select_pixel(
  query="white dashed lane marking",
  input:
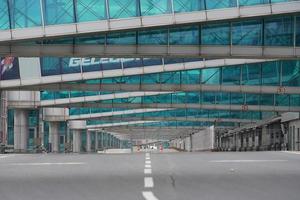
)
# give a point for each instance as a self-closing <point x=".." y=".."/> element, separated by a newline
<point x="44" y="164"/>
<point x="147" y="166"/>
<point x="149" y="196"/>
<point x="292" y="152"/>
<point x="147" y="171"/>
<point x="3" y="157"/>
<point x="148" y="181"/>
<point x="245" y="161"/>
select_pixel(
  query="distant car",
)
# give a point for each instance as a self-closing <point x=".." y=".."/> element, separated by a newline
<point x="153" y="147"/>
<point x="6" y="149"/>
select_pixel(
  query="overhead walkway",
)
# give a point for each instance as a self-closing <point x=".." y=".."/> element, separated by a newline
<point x="228" y="107"/>
<point x="94" y="115"/>
<point x="151" y="124"/>
<point x="34" y="19"/>
<point x="82" y="114"/>
<point x="263" y="89"/>
<point x="46" y="71"/>
<point x="260" y="38"/>
<point x="73" y="100"/>
<point x="175" y="119"/>
<point x="164" y="115"/>
<point x="160" y="133"/>
<point x="144" y="98"/>
<point x="198" y="100"/>
<point x="167" y="115"/>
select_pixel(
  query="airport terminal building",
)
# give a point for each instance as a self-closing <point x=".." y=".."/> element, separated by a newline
<point x="88" y="75"/>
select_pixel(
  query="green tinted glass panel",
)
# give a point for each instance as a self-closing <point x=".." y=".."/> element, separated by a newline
<point x="59" y="12"/>
<point x="215" y="34"/>
<point x="252" y="2"/>
<point x="211" y="76"/>
<point x="298" y="31"/>
<point x="4" y="16"/>
<point x="208" y="98"/>
<point x="25" y="13"/>
<point x="159" y="36"/>
<point x="125" y="38"/>
<point x="247" y="33"/>
<point x="237" y="98"/>
<point x="123" y="8"/>
<point x="190" y="77"/>
<point x="279" y="31"/>
<point x="251" y="74"/>
<point x="231" y="75"/>
<point x="282" y="100"/>
<point x="223" y="98"/>
<point x="291" y="73"/>
<point x="90" y="10"/>
<point x="295" y="100"/>
<point x="155" y="7"/>
<point x="215" y="4"/>
<point x="184" y="35"/>
<point x="271" y="73"/>
<point x="252" y="99"/>
<point x="188" y="5"/>
<point x="267" y="99"/>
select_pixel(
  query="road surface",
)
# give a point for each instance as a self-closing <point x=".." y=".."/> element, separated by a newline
<point x="151" y="176"/>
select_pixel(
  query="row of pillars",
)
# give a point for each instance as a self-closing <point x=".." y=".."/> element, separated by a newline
<point x="101" y="140"/>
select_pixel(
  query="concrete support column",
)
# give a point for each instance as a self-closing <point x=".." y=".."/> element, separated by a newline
<point x="110" y="140"/>
<point x="88" y="141"/>
<point x="21" y="130"/>
<point x="250" y="135"/>
<point x="76" y="141"/>
<point x="77" y="126"/>
<point x="96" y="141"/>
<point x="54" y="136"/>
<point x="256" y="140"/>
<point x="238" y="142"/>
<point x="245" y="142"/>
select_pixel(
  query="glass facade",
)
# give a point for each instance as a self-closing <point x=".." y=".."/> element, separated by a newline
<point x="27" y="13"/>
<point x="206" y="98"/>
<point x="267" y="31"/>
<point x="31" y="128"/>
<point x="90" y="10"/>
<point x="276" y="73"/>
<point x="58" y="12"/>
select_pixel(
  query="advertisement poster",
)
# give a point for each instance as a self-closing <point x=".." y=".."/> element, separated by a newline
<point x="9" y="68"/>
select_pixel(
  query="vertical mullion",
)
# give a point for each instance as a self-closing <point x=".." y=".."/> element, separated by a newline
<point x="9" y="14"/>
<point x="75" y="18"/>
<point x="107" y="9"/>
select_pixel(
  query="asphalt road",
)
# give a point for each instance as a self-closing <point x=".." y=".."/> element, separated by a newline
<point x="170" y="176"/>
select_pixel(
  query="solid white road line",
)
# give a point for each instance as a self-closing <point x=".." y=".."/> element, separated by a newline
<point x="147" y="166"/>
<point x="43" y="164"/>
<point x="245" y="161"/>
<point x="148" y="181"/>
<point x="147" y="162"/>
<point x="292" y="152"/>
<point x="147" y="171"/>
<point x="149" y="196"/>
<point x="4" y="156"/>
